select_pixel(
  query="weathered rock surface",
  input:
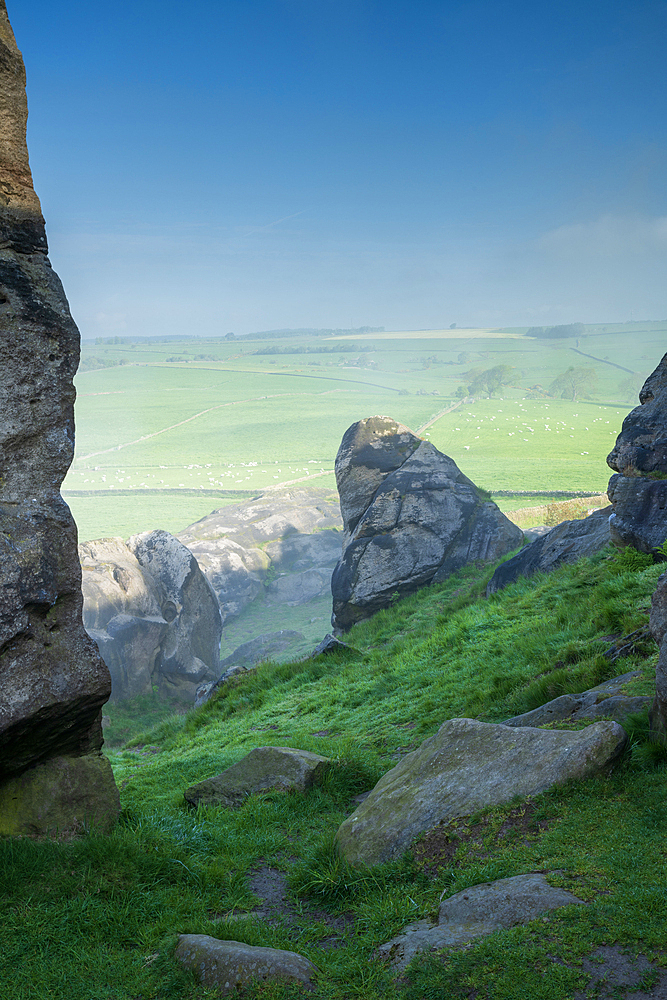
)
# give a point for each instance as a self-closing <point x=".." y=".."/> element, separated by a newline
<point x="152" y="613"/>
<point x="638" y="492"/>
<point x="466" y="766"/>
<point x="567" y="542"/>
<point x="601" y="702"/>
<point x="282" y="547"/>
<point x="224" y="965"/>
<point x="410" y="518"/>
<point x="62" y="795"/>
<point x="53" y="681"/>
<point x="282" y="768"/>
<point x="476" y="912"/>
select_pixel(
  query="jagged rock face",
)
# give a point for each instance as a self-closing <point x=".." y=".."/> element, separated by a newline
<point x="52" y="679"/>
<point x="410" y="516"/>
<point x="152" y="613"/>
<point x="281" y="547"/>
<point x="638" y="492"/>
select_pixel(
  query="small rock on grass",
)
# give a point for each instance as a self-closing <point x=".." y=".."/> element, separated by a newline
<point x="223" y="965"/>
<point x="601" y="702"/>
<point x="467" y="766"/>
<point x="476" y="912"/>
<point x="264" y="768"/>
<point x="330" y="644"/>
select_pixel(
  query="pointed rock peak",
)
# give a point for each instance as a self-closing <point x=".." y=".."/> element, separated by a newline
<point x="21" y="221"/>
<point x="370" y="450"/>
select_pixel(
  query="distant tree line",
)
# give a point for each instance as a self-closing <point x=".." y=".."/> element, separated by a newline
<point x="312" y="349"/>
<point x="88" y="363"/>
<point x="556" y="332"/>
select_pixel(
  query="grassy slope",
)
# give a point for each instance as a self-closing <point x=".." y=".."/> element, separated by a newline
<point x="97" y="919"/>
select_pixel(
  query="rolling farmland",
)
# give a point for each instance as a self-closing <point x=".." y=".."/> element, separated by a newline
<point x="177" y="429"/>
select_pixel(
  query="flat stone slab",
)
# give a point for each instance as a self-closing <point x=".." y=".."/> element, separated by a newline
<point x="224" y="965"/>
<point x="264" y="768"/>
<point x="476" y="912"/>
<point x="467" y="766"/>
<point x="602" y="701"/>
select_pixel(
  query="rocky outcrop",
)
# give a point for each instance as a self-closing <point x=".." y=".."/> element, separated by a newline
<point x="605" y="701"/>
<point x="410" y="518"/>
<point x="152" y="614"/>
<point x="282" y="768"/>
<point x="638" y="492"/>
<point x="467" y="766"/>
<point x="282" y="548"/>
<point x="54" y="682"/>
<point x="565" y="543"/>
<point x="225" y="965"/>
<point x="475" y="913"/>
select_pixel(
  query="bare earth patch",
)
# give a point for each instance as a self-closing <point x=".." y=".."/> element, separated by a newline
<point x="618" y="975"/>
<point x="270" y="885"/>
<point x="438" y="848"/>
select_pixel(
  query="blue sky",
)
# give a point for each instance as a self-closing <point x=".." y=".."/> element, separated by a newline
<point x="253" y="164"/>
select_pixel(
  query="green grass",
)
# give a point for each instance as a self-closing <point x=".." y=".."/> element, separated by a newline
<point x="97" y="918"/>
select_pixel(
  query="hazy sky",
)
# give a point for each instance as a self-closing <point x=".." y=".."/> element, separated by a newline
<point x="243" y="165"/>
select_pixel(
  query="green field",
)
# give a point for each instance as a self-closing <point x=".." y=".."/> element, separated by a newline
<point x="167" y="432"/>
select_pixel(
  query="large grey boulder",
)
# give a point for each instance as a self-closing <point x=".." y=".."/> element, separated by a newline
<point x="477" y="912"/>
<point x="54" y="682"/>
<point x="153" y="614"/>
<point x="638" y="492"/>
<point x="605" y="701"/>
<point x="280" y="547"/>
<point x="282" y="768"/>
<point x="566" y="543"/>
<point x="224" y="965"/>
<point x="467" y="766"/>
<point x="410" y="518"/>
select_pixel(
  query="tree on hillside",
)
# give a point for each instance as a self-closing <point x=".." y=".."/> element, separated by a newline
<point x="574" y="384"/>
<point x="556" y="332"/>
<point x="628" y="389"/>
<point x="490" y="380"/>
